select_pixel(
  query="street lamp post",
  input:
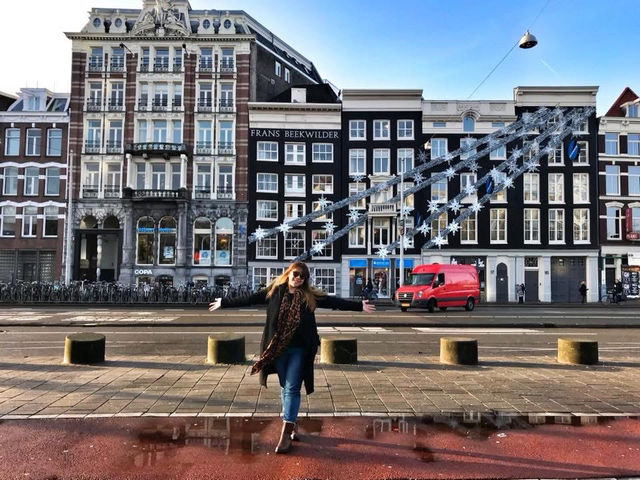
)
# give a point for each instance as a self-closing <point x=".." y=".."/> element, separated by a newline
<point x="402" y="222"/>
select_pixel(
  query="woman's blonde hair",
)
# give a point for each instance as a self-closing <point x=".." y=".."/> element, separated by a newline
<point x="310" y="292"/>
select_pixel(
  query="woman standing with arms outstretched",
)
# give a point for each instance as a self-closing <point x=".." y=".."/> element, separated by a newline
<point x="290" y="339"/>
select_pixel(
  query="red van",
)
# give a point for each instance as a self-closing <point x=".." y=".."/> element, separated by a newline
<point x="440" y="286"/>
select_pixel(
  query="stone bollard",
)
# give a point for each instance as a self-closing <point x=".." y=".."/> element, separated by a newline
<point x="458" y="351"/>
<point x="225" y="348"/>
<point x="84" y="348"/>
<point x="339" y="350"/>
<point x="577" y="352"/>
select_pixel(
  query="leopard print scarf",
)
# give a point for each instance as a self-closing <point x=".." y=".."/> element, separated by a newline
<point x="288" y="321"/>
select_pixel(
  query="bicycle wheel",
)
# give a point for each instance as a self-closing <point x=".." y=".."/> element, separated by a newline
<point x="605" y="299"/>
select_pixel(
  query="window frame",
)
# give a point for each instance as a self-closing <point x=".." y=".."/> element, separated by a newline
<point x="531" y="223"/>
<point x="357" y="129"/>
<point x="584" y="228"/>
<point x="299" y="151"/>
<point x="381" y="123"/>
<point x="606" y="180"/>
<point x="298" y="192"/>
<point x="560" y="232"/>
<point x="316" y="156"/>
<point x="50" y="131"/>
<point x="404" y="129"/>
<point x="272" y="175"/>
<point x="267" y="153"/>
<point x="388" y="161"/>
<point x="289" y="252"/>
<point x="557" y="192"/>
<point x="501" y="236"/>
<point x="265" y="218"/>
<point x="577" y="200"/>
<point x="352" y="153"/>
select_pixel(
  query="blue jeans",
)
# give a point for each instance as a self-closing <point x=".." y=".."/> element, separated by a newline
<point x="289" y="366"/>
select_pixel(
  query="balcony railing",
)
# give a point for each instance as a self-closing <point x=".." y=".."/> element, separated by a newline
<point x="203" y="148"/>
<point x="91" y="146"/>
<point x="95" y="63"/>
<point x="176" y="105"/>
<point x="117" y="64"/>
<point x="177" y="67"/>
<point x="226" y="105"/>
<point x="382" y="208"/>
<point x="225" y="148"/>
<point x="116" y="106"/>
<point x="144" y="67"/>
<point x="224" y="193"/>
<point x="90" y="191"/>
<point x="94" y="104"/>
<point x="114" y="147"/>
<point x="205" y="105"/>
<point x="227" y="65"/>
<point x="180" y="194"/>
<point x="203" y="191"/>
<point x="159" y="105"/>
<point x="161" y="66"/>
<point x="143" y="104"/>
<point x="156" y="147"/>
<point x="206" y="65"/>
<point x="111" y="191"/>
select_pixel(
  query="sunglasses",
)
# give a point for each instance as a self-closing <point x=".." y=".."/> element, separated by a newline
<point x="297" y="274"/>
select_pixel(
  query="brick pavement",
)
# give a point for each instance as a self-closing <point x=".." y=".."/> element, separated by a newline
<point x="40" y="387"/>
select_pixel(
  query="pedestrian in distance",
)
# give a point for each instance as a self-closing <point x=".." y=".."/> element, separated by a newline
<point x="368" y="289"/>
<point x="618" y="291"/>
<point x="583" y="291"/>
<point x="520" y="292"/>
<point x="290" y="338"/>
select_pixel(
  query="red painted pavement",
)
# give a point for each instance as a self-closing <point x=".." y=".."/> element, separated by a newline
<point x="331" y="448"/>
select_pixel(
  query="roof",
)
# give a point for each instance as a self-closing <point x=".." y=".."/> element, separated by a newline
<point x="626" y="96"/>
<point x="322" y="93"/>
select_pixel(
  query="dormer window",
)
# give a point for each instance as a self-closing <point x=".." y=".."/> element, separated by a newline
<point x="632" y="110"/>
<point x="468" y="124"/>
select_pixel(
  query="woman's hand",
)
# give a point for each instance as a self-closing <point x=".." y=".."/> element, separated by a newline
<point x="368" y="307"/>
<point x="216" y="304"/>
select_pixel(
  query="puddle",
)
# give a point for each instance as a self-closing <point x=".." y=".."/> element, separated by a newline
<point x="449" y="446"/>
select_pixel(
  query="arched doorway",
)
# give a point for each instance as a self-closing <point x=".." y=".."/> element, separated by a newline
<point x="98" y="251"/>
<point x="502" y="283"/>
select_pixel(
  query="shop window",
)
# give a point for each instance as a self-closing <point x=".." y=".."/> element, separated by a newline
<point x="202" y="241"/>
<point x="167" y="241"/>
<point x="145" y="233"/>
<point x="224" y="232"/>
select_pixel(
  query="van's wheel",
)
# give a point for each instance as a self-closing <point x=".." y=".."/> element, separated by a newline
<point x="469" y="305"/>
<point x="443" y="309"/>
<point x="431" y="306"/>
<point x="403" y="309"/>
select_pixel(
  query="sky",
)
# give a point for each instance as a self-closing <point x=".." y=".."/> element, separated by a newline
<point x="445" y="48"/>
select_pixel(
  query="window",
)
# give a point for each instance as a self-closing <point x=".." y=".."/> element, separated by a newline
<point x="468" y="124"/>
<point x="556" y="188"/>
<point x="144" y="59"/>
<point x="467" y="179"/>
<point x="405" y="129"/>
<point x="116" y="100"/>
<point x="555" y="157"/>
<point x="438" y="147"/>
<point x="357" y="161"/>
<point x="381" y="196"/>
<point x="10" y="186"/>
<point x="315" y="207"/>
<point x="469" y="229"/>
<point x="357" y="237"/>
<point x="580" y="188"/>
<point x="140" y="176"/>
<point x="287" y="75"/>
<point x="145" y="234"/>
<point x="268" y="182"/>
<point x="357" y="130"/>
<point x="175" y="176"/>
<point x="583" y="156"/>
<point x="405" y="160"/>
<point x="319" y="236"/>
<point x="355" y="189"/>
<point x="267" y="151"/>
<point x="91" y="180"/>
<point x="381" y="231"/>
<point x="112" y="180"/>
<point x="500" y="196"/>
<point x="159" y="130"/>
<point x="499" y="153"/>
<point x="278" y="69"/>
<point x="114" y="141"/>
<point x="531" y="225"/>
<point x="226" y="95"/>
<point x="439" y="190"/>
<point x="158" y="176"/>
<point x="224" y="188"/>
<point x="581" y="225"/>
<point x="635" y="219"/>
<point x="634" y="180"/>
<point x="498" y="225"/>
<point x="202" y="241"/>
<point x="263" y="275"/>
<point x="556" y="225"/>
<point x="381" y="130"/>
<point x="294" y="154"/>
<point x="52" y="181"/>
<point x="267" y="210"/>
<point x="438" y="225"/>
<point x="322" y="153"/>
<point x="466" y="144"/>
<point x="322" y="184"/>
<point x="50" y="221"/>
<point x="293" y="243"/>
<point x="12" y="142"/>
<point x="177" y="59"/>
<point x="224" y="238"/>
<point x="31" y="181"/>
<point x="176" y="128"/>
<point x="8" y="221"/>
<point x="614" y="223"/>
<point x="225" y="135"/>
<point x="205" y="99"/>
<point x="612" y="180"/>
<point x="204" y="136"/>
<point x="226" y="56"/>
<point x="54" y="142"/>
<point x="633" y="144"/>
<point x="325" y="278"/>
<point x="611" y="143"/>
<point x="33" y="141"/>
<point x="409" y="224"/>
<point x="94" y="136"/>
<point x="632" y="110"/>
<point x="381" y="161"/>
<point x="162" y="60"/>
<point x="294" y="185"/>
<point x="142" y="131"/>
<point x="267" y="247"/>
<point x="202" y="184"/>
<point x="293" y="210"/>
<point x="29" y="221"/>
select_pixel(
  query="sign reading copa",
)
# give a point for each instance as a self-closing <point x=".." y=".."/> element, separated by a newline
<point x="143" y="271"/>
<point x="297" y="134"/>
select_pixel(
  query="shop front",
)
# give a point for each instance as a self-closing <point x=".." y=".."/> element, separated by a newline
<point x="357" y="276"/>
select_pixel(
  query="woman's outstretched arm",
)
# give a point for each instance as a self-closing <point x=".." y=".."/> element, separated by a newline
<point x="255" y="299"/>
<point x="337" y="303"/>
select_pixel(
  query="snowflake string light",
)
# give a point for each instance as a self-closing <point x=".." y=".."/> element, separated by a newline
<point x="512" y="166"/>
<point x="516" y="153"/>
<point x="284" y="227"/>
<point x="353" y="215"/>
<point x="422" y="156"/>
<point x="406" y="241"/>
<point x="318" y="247"/>
<point x="454" y="227"/>
<point x="470" y="189"/>
<point x="473" y="166"/>
<point x="450" y="172"/>
<point x="476" y="207"/>
<point x="406" y="210"/>
<point x="495" y="174"/>
<point x="454" y="206"/>
<point x="323" y="202"/>
<point x="508" y="182"/>
<point x="531" y="166"/>
<point x="424" y="228"/>
<point x="382" y="252"/>
<point x="329" y="227"/>
<point x="260" y="233"/>
<point x="439" y="241"/>
<point x="357" y="178"/>
<point x="417" y="177"/>
<point x="433" y="206"/>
